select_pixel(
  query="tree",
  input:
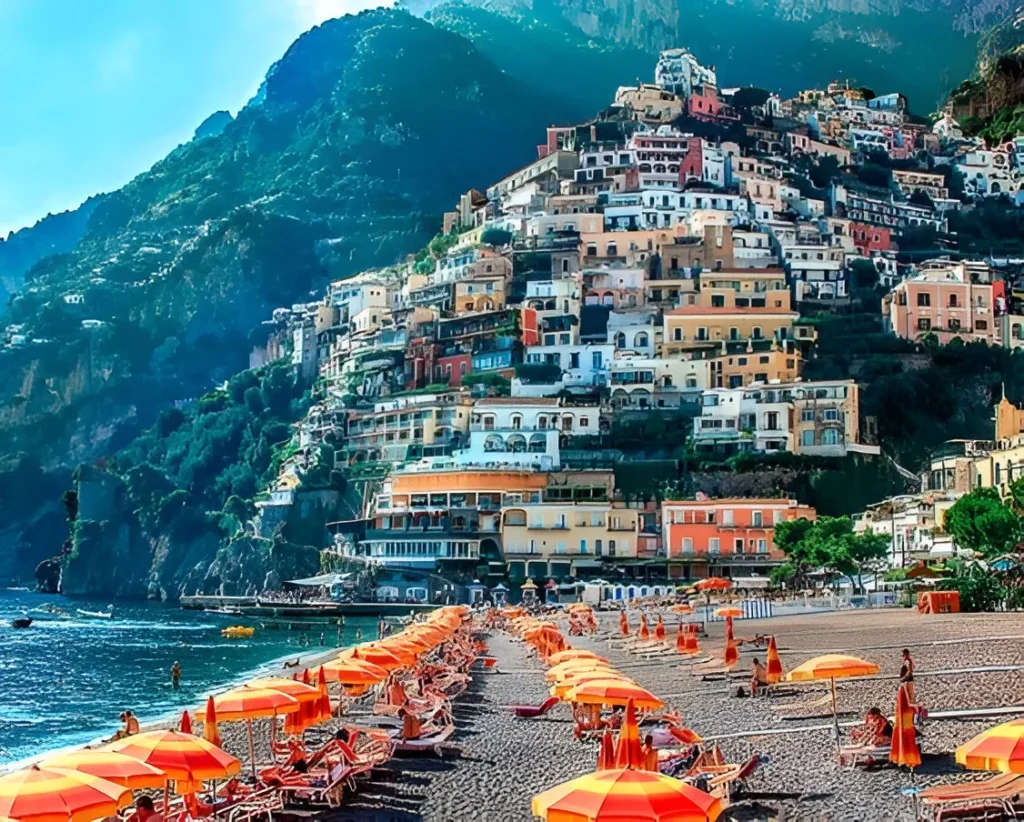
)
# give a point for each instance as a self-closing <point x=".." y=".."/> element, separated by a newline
<point x="865" y="552"/>
<point x="865" y="273"/>
<point x="921" y="198"/>
<point x="496" y="237"/>
<point x="980" y="522"/>
<point x="830" y="544"/>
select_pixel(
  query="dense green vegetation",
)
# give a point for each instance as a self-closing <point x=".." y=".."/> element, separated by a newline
<point x="827" y="544"/>
<point x="343" y="161"/>
<point x="164" y="508"/>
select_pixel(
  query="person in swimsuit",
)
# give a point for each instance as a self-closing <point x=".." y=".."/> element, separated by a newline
<point x="758" y="678"/>
<point x="176" y="676"/>
<point x="907" y="675"/>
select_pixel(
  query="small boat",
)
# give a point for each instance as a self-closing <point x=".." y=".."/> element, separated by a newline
<point x="95" y="614"/>
<point x="21" y="622"/>
<point x="238" y="632"/>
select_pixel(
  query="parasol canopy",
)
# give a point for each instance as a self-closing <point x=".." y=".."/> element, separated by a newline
<point x="38" y="794"/>
<point x="613" y="692"/>
<point x="114" y="767"/>
<point x="1000" y="748"/>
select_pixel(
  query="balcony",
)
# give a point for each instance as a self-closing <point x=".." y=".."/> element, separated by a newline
<point x="627" y="528"/>
<point x="533" y="526"/>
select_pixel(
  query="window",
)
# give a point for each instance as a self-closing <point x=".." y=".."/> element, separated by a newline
<point x="737" y="546"/>
<point x="952" y="301"/>
<point x="830" y="437"/>
<point x="831" y="415"/>
<point x="776" y="517"/>
<point x="702" y="333"/>
<point x="687" y="545"/>
<point x="807" y="415"/>
<point x="924" y="324"/>
<point x="924" y="300"/>
<point x="516" y="422"/>
<point x="583" y="546"/>
<point x="981" y="325"/>
<point x="727" y="516"/>
<point x="718" y="301"/>
<point x="757" y="519"/>
<point x="954" y="324"/>
<point x="611" y="547"/>
<point x="462" y="368"/>
<point x="714" y="546"/>
<point x="807" y="438"/>
<point x="762" y="546"/>
<point x="574" y="359"/>
<point x="756" y="333"/>
<point x="598" y="547"/>
<point x="734" y="333"/>
<point x="677" y="334"/>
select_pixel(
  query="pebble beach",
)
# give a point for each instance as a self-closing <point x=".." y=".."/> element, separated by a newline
<point x="497" y="762"/>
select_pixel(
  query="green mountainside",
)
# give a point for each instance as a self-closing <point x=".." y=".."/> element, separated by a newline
<point x="921" y="49"/>
<point x="362" y="134"/>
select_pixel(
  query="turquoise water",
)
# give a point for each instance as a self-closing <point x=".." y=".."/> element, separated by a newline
<point x="65" y="680"/>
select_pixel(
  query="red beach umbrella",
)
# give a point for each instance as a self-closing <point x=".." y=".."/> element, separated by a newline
<point x="691" y="641"/>
<point x="680" y="639"/>
<point x="210" y="732"/>
<point x="645" y="632"/>
<point x="628" y="750"/>
<point x="606" y="754"/>
<point x="904" y="749"/>
<point x="732" y="653"/>
<point x="659" y="629"/>
<point x="186" y="723"/>
<point x="773" y="665"/>
<point x="623" y="623"/>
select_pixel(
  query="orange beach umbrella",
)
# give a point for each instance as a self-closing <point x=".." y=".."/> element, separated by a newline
<point x="39" y="794"/>
<point x="904" y="750"/>
<point x="729" y="611"/>
<point x="626" y="794"/>
<point x="1000" y="748"/>
<point x="606" y="753"/>
<point x="210" y="731"/>
<point x="114" y="767"/>
<point x="381" y="657"/>
<point x="188" y="760"/>
<point x="713" y="584"/>
<point x="682" y="608"/>
<point x="307" y="696"/>
<point x="352" y="672"/>
<point x="772" y="664"/>
<point x="680" y="639"/>
<point x="613" y="692"/>
<point x="691" y="641"/>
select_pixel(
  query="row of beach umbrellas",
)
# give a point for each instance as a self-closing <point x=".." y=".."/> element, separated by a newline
<point x="90" y="784"/>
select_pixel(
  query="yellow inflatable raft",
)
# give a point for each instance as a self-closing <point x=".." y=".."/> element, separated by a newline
<point x="238" y="632"/>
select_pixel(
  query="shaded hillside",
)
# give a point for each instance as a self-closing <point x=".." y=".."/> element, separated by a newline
<point x="362" y="133"/>
<point x="920" y="49"/>
<point x="54" y="234"/>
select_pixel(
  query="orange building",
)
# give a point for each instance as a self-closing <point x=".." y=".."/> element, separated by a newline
<point x="732" y="538"/>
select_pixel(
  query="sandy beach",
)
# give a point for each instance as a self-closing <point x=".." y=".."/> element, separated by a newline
<point x="499" y="761"/>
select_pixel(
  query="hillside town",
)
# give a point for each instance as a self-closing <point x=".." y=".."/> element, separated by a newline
<point x="643" y="265"/>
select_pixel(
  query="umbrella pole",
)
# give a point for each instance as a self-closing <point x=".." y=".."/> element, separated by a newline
<point x="252" y="748"/>
<point x="835" y="711"/>
<point x="167" y="797"/>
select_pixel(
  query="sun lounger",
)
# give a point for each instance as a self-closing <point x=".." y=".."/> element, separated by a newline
<point x="990" y="799"/>
<point x="854" y="755"/>
<point x="432" y="741"/>
<point x="727" y="782"/>
<point x="258" y="805"/>
<point x="323" y="786"/>
<point x="531" y="711"/>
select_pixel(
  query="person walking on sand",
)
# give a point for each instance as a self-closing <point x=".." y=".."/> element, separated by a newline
<point x="176" y="676"/>
<point x="907" y="675"/>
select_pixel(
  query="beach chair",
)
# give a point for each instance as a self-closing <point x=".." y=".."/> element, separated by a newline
<point x="989" y="799"/>
<point x="863" y="754"/>
<point x="321" y="787"/>
<point x="532" y="711"/>
<point x="728" y="782"/>
<point x="432" y="741"/>
<point x="257" y="805"/>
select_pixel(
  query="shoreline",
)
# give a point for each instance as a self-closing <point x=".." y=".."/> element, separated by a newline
<point x="272" y="666"/>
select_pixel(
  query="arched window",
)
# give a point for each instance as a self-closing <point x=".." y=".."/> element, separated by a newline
<point x="494" y="443"/>
<point x="640" y="340"/>
<point x="620" y="340"/>
<point x="488" y="422"/>
<point x="516" y="422"/>
<point x="516" y="443"/>
<point x="538" y="443"/>
<point x="734" y="333"/>
<point x="952" y="301"/>
<point x="567" y="422"/>
<point x="756" y="333"/>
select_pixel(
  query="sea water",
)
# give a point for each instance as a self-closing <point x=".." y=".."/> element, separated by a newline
<point x="65" y="680"/>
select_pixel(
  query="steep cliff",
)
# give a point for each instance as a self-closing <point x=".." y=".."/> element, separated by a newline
<point x="364" y="131"/>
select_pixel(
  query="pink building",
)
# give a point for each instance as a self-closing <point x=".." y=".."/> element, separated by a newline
<point x="704" y="104"/>
<point x="868" y="238"/>
<point x="942" y="301"/>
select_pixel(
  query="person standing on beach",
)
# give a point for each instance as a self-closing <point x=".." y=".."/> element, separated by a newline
<point x="359" y="635"/>
<point x="381" y="628"/>
<point x="175" y="676"/>
<point x="907" y="675"/>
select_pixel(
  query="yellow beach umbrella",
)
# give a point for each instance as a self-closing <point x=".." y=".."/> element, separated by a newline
<point x="613" y="692"/>
<point x="562" y="689"/>
<point x="625" y="794"/>
<point x="560" y="672"/>
<point x="247" y="703"/>
<point x="185" y="759"/>
<point x="114" y="767"/>
<point x="354" y="672"/>
<point x="39" y="794"/>
<point x="1000" y="748"/>
<point x="729" y="611"/>
<point x="573" y="653"/>
<point x="832" y="667"/>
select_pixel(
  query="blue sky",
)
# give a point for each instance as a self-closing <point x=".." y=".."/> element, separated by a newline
<point x="96" y="91"/>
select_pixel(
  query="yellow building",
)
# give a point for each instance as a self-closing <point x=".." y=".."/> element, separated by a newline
<point x="480" y="294"/>
<point x="738" y="369"/>
<point x="699" y="327"/>
<point x="558" y="540"/>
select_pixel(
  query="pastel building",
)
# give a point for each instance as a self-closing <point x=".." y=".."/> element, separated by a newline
<point x="732" y="538"/>
<point x="944" y="301"/>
